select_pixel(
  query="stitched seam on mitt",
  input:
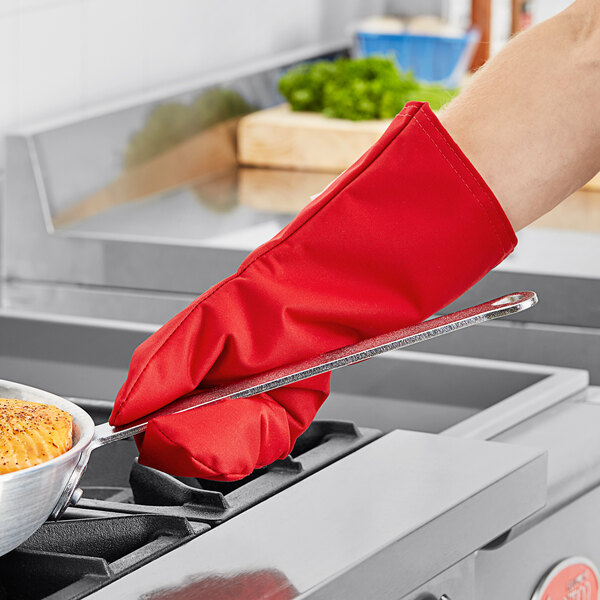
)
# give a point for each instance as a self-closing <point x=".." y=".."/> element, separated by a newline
<point x="477" y="199"/>
<point x="491" y="203"/>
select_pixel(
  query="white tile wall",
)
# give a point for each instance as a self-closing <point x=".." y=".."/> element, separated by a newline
<point x="8" y="69"/>
<point x="112" y="49"/>
<point x="8" y="7"/>
<point x="49" y="59"/>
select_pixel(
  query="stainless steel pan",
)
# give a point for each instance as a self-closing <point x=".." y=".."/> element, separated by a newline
<point x="30" y="496"/>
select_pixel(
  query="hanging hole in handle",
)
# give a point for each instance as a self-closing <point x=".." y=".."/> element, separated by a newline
<point x="510" y="299"/>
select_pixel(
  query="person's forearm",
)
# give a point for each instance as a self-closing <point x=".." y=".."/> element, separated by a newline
<point x="529" y="120"/>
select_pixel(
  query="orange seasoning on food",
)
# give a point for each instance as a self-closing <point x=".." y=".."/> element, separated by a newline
<point x="32" y="433"/>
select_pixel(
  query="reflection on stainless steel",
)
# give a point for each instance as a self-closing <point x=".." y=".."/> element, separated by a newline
<point x="242" y="586"/>
<point x="568" y="525"/>
<point x="198" y="212"/>
<point x="204" y="158"/>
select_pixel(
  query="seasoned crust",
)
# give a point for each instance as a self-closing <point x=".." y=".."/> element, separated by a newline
<point x="31" y="433"/>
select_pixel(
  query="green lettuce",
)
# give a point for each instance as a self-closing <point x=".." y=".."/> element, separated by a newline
<point x="357" y="89"/>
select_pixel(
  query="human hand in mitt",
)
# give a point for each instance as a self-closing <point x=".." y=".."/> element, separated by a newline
<point x="399" y="235"/>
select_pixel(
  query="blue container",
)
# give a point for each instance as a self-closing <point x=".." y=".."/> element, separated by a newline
<point x="430" y="58"/>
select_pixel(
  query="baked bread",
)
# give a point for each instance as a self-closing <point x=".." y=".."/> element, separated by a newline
<point x="32" y="433"/>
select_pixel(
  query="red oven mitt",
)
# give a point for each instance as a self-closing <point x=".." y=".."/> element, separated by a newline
<point x="402" y="233"/>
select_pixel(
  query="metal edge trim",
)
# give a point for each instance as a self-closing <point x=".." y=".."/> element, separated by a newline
<point x="522" y="405"/>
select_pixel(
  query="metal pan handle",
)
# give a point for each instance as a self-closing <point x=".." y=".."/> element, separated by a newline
<point x="335" y="359"/>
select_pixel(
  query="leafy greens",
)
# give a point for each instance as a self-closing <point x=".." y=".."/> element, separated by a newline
<point x="357" y="89"/>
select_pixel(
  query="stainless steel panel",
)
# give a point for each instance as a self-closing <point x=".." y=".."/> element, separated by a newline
<point x="408" y="494"/>
<point x="69" y="356"/>
<point x="2" y="239"/>
<point x="33" y="251"/>
<point x="521" y="406"/>
<point x="564" y="300"/>
<point x="532" y="343"/>
<point x="465" y="398"/>
<point x="158" y="241"/>
<point x="514" y="569"/>
<point x="569" y="432"/>
<point x="119" y="304"/>
<point x="456" y="583"/>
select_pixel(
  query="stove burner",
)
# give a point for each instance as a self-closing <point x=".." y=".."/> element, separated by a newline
<point x="120" y="525"/>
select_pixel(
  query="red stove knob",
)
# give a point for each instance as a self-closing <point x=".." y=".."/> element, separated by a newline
<point x="575" y="577"/>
